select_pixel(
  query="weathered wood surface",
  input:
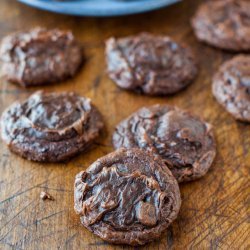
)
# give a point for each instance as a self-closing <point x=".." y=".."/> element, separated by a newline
<point x="215" y="209"/>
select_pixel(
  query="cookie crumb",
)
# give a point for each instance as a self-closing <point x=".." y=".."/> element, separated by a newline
<point x="46" y="196"/>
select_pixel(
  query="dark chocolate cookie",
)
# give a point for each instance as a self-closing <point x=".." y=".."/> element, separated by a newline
<point x="50" y="127"/>
<point x="231" y="87"/>
<point x="154" y="65"/>
<point x="224" y="24"/>
<point x="40" y="56"/>
<point x="177" y="136"/>
<point x="127" y="197"/>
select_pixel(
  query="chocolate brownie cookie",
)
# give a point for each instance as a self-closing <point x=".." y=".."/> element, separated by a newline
<point x="154" y="65"/>
<point x="50" y="127"/>
<point x="40" y="56"/>
<point x="177" y="136"/>
<point x="224" y="24"/>
<point x="231" y="87"/>
<point x="127" y="197"/>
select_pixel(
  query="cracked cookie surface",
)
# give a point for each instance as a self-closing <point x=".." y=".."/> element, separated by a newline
<point x="40" y="56"/>
<point x="154" y="65"/>
<point x="50" y="127"/>
<point x="180" y="138"/>
<point x="231" y="87"/>
<point x="127" y="197"/>
<point x="224" y="24"/>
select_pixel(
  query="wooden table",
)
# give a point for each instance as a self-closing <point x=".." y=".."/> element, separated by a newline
<point x="215" y="209"/>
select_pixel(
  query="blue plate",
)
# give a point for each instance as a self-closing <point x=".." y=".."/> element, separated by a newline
<point x="99" y="8"/>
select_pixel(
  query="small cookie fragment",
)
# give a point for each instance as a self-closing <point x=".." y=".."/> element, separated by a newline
<point x="224" y="24"/>
<point x="50" y="127"/>
<point x="180" y="138"/>
<point x="231" y="87"/>
<point x="127" y="197"/>
<point x="40" y="56"/>
<point x="46" y="196"/>
<point x="153" y="65"/>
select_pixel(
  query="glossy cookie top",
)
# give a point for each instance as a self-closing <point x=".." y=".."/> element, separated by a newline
<point x="50" y="126"/>
<point x="40" y="56"/>
<point x="177" y="136"/>
<point x="231" y="87"/>
<point x="150" y="64"/>
<point x="127" y="197"/>
<point x="224" y="24"/>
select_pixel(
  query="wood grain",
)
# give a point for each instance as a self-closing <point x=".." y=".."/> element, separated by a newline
<point x="215" y="209"/>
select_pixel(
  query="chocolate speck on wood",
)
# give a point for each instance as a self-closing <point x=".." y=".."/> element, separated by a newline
<point x="46" y="196"/>
<point x="214" y="210"/>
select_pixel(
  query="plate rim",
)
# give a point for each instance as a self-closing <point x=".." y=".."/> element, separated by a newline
<point x="74" y="8"/>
